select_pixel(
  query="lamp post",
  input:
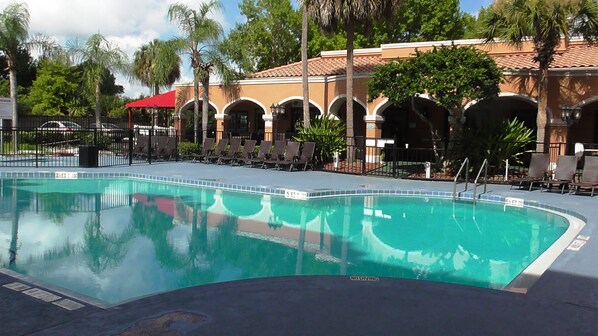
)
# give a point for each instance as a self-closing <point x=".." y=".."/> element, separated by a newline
<point x="276" y="110"/>
<point x="570" y="115"/>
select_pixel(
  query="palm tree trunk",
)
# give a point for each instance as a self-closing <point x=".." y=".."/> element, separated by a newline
<point x="12" y="73"/>
<point x="304" y="67"/>
<point x="205" y="105"/>
<point x="542" y="106"/>
<point x="195" y="105"/>
<point x="98" y="104"/>
<point x="350" y="132"/>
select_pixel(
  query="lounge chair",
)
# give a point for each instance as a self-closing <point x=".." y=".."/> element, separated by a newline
<point x="246" y="154"/>
<point x="206" y="149"/>
<point x="566" y="166"/>
<point x="589" y="177"/>
<point x="291" y="154"/>
<point x="218" y="152"/>
<point x="262" y="154"/>
<point x="233" y="151"/>
<point x="166" y="149"/>
<point x="277" y="153"/>
<point x="307" y="156"/>
<point x="538" y="169"/>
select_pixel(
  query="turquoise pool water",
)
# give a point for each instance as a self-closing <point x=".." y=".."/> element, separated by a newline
<point x="115" y="240"/>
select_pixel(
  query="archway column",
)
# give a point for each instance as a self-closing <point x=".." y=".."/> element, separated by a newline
<point x="220" y="124"/>
<point x="373" y="126"/>
<point x="373" y="130"/>
<point x="268" y="129"/>
<point x="179" y="126"/>
<point x="556" y="133"/>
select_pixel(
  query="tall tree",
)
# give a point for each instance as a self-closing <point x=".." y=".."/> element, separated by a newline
<point x="268" y="37"/>
<point x="349" y="14"/>
<point x="157" y="65"/>
<point x="14" y="33"/>
<point x="54" y="90"/>
<point x="97" y="55"/>
<point x="547" y="24"/>
<point x="449" y="75"/>
<point x="200" y="41"/>
<point x="304" y="65"/>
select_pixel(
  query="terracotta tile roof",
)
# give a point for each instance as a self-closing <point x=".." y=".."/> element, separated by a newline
<point x="576" y="56"/>
<point x="328" y="66"/>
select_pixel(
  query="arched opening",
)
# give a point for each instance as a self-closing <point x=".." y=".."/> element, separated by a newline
<point x="245" y="119"/>
<point x="489" y="113"/>
<point x="186" y="112"/>
<point x="290" y="121"/>
<point x="402" y="123"/>
<point x="585" y="129"/>
<point x="339" y="109"/>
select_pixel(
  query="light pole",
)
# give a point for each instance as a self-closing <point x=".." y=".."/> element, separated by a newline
<point x="570" y="115"/>
<point x="276" y="110"/>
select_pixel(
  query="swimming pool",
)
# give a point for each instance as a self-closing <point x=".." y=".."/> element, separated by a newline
<point x="117" y="239"/>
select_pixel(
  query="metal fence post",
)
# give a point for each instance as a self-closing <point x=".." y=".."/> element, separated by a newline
<point x="394" y="158"/>
<point x="36" y="148"/>
<point x="131" y="142"/>
<point x="364" y="156"/>
<point x="149" y="146"/>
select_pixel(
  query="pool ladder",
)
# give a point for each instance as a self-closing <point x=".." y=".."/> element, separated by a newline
<point x="465" y="167"/>
<point x="484" y="168"/>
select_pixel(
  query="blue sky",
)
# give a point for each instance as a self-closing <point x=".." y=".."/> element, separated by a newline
<point x="131" y="23"/>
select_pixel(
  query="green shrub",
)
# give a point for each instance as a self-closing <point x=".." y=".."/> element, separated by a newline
<point x="187" y="149"/>
<point x="329" y="135"/>
<point x="509" y="140"/>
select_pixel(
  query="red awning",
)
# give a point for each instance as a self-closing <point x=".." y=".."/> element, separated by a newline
<point x="163" y="100"/>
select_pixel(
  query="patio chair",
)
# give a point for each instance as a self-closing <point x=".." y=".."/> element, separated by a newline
<point x="291" y="154"/>
<point x="206" y="149"/>
<point x="277" y="153"/>
<point x="166" y="149"/>
<point x="246" y="154"/>
<point x="218" y="152"/>
<point x="262" y="154"/>
<point x="566" y="166"/>
<point x="307" y="156"/>
<point x="140" y="149"/>
<point x="538" y="168"/>
<point x="589" y="177"/>
<point x="233" y="151"/>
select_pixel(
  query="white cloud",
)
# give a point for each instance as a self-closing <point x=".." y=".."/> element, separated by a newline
<point x="129" y="23"/>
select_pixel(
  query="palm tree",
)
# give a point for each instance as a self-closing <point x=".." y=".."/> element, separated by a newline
<point x="97" y="55"/>
<point x="157" y="65"/>
<point x="349" y="14"/>
<point x="544" y="23"/>
<point x="14" y="32"/>
<point x="14" y="35"/>
<point x="202" y="34"/>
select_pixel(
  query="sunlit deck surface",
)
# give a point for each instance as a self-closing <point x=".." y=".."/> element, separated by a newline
<point x="564" y="301"/>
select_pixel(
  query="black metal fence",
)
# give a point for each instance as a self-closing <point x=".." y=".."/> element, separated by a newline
<point x="383" y="157"/>
<point x="35" y="147"/>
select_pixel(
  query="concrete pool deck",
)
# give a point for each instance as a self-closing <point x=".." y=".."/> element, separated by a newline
<point x="563" y="301"/>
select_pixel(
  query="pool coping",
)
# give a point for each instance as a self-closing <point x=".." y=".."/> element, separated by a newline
<point x="520" y="284"/>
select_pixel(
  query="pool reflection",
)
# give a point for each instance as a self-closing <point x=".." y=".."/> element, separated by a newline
<point x="137" y="238"/>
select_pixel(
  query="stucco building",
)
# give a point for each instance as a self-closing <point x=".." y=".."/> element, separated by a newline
<point x="572" y="82"/>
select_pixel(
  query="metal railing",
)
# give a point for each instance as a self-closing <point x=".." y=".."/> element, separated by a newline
<point x="465" y="165"/>
<point x="82" y="147"/>
<point x="484" y="168"/>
